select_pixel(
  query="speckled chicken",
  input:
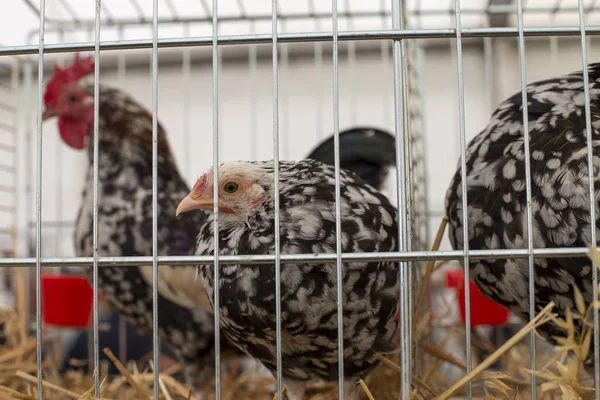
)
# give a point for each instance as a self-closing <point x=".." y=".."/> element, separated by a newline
<point x="496" y="195"/>
<point x="308" y="290"/>
<point x="125" y="215"/>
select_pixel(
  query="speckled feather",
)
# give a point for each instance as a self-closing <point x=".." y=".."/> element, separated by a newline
<point x="496" y="195"/>
<point x="309" y="309"/>
<point x="125" y="229"/>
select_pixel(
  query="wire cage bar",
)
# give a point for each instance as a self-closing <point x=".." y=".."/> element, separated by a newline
<point x="10" y="182"/>
<point x="242" y="13"/>
<point x="9" y="148"/>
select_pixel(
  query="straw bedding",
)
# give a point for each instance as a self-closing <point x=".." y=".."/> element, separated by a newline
<point x="559" y="376"/>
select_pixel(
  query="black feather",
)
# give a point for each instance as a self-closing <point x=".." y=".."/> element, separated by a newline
<point x="367" y="152"/>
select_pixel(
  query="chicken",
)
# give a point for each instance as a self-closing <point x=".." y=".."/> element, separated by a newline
<point x="368" y="152"/>
<point x="308" y="289"/>
<point x="496" y="196"/>
<point x="125" y="215"/>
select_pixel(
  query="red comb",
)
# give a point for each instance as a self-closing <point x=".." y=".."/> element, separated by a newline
<point x="200" y="183"/>
<point x="63" y="76"/>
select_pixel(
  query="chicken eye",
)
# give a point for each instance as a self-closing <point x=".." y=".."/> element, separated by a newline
<point x="231" y="187"/>
<point x="72" y="98"/>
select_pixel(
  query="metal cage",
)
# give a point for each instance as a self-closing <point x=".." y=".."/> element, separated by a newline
<point x="396" y="34"/>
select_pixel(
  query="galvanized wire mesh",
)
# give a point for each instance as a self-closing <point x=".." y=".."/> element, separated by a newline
<point x="393" y="23"/>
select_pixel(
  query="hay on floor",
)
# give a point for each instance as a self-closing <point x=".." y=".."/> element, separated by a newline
<point x="559" y="376"/>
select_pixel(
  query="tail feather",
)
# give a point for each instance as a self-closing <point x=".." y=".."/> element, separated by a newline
<point x="367" y="152"/>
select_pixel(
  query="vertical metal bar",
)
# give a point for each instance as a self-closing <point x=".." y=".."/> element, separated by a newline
<point x="424" y="180"/>
<point x="187" y="88"/>
<point x="90" y="347"/>
<point x="408" y="165"/>
<point x="351" y="64"/>
<point x="401" y="176"/>
<point x="38" y="202"/>
<point x="15" y="86"/>
<point x="27" y="193"/>
<point x="285" y="100"/>
<point x="352" y="73"/>
<point x="385" y="62"/>
<point x="318" y="50"/>
<point x="252" y="62"/>
<point x="122" y="322"/>
<point x="59" y="175"/>
<point x="122" y="329"/>
<point x="453" y="58"/>
<point x="488" y="59"/>
<point x="121" y="60"/>
<point x="155" y="339"/>
<point x="14" y="75"/>
<point x="554" y="54"/>
<point x="463" y="170"/>
<point x="276" y="190"/>
<point x="95" y="210"/>
<point x="220" y="60"/>
<point x="528" y="190"/>
<point x="338" y="221"/>
<point x="590" y="153"/>
<point x="215" y="71"/>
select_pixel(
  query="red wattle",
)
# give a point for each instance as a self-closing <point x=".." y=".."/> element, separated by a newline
<point x="73" y="132"/>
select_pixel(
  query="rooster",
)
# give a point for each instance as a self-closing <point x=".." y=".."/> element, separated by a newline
<point x="125" y="215"/>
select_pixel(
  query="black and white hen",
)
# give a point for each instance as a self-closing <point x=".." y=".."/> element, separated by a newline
<point x="125" y="216"/>
<point x="308" y="290"/>
<point x="496" y="195"/>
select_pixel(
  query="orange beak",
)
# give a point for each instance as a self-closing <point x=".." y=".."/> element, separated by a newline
<point x="194" y="201"/>
<point x="49" y="113"/>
